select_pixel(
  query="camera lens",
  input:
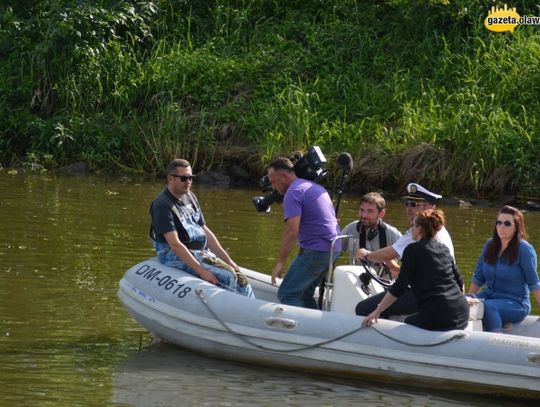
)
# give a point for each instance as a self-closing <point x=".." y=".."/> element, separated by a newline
<point x="265" y="183"/>
<point x="262" y="203"/>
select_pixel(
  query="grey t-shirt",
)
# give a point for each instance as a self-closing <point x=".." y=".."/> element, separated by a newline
<point x="183" y="215"/>
<point x="352" y="244"/>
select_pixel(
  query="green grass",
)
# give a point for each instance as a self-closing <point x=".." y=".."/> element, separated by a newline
<point x="133" y="84"/>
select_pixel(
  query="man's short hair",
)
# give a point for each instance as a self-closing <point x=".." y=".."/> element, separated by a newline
<point x="174" y="164"/>
<point x="374" y="198"/>
<point x="281" y="164"/>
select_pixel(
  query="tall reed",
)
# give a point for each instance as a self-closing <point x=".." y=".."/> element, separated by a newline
<point x="128" y="84"/>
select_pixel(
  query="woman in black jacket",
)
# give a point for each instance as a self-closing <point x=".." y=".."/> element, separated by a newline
<point x="430" y="271"/>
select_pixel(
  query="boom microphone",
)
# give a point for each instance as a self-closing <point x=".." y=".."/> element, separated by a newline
<point x="345" y="162"/>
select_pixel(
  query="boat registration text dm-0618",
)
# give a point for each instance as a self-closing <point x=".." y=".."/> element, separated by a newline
<point x="164" y="281"/>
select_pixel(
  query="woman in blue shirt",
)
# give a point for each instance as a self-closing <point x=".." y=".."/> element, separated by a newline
<point x="507" y="271"/>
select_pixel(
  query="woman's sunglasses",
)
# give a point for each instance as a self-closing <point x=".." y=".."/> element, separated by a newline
<point x="506" y="223"/>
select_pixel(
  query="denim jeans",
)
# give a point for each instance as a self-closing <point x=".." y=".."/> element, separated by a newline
<point x="499" y="311"/>
<point x="304" y="274"/>
<point x="226" y="279"/>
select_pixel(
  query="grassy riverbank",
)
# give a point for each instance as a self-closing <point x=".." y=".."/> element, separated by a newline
<point x="413" y="90"/>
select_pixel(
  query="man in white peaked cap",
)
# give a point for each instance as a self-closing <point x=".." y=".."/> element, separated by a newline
<point x="418" y="192"/>
<point x="416" y="200"/>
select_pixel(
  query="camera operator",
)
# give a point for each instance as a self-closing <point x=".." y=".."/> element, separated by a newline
<point x="310" y="218"/>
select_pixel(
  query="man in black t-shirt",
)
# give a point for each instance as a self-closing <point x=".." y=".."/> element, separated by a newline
<point x="183" y="240"/>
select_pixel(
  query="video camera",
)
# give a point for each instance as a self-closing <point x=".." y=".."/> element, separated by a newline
<point x="309" y="166"/>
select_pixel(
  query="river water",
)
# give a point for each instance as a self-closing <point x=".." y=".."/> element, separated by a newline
<point x="65" y="339"/>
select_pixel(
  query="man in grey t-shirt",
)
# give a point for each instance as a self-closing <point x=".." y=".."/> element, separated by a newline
<point x="369" y="231"/>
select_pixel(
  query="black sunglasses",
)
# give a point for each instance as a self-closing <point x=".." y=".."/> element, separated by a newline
<point x="412" y="204"/>
<point x="184" y="178"/>
<point x="506" y="223"/>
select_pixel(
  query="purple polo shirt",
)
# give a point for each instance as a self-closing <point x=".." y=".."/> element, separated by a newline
<point x="318" y="224"/>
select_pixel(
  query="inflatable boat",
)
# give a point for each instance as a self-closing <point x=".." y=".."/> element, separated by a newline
<point x="201" y="317"/>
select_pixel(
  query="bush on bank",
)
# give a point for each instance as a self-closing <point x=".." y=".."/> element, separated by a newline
<point x="413" y="90"/>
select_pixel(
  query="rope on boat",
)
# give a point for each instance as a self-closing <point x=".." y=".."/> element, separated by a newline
<point x="459" y="335"/>
<point x="200" y="294"/>
<point x="260" y="280"/>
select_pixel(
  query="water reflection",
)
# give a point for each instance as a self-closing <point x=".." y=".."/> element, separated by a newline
<point x="163" y="375"/>
<point x="65" y="244"/>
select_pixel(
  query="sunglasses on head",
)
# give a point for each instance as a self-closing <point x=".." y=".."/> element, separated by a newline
<point x="184" y="178"/>
<point x="506" y="223"/>
<point x="412" y="204"/>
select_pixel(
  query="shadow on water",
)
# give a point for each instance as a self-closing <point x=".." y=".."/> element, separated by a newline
<point x="165" y="375"/>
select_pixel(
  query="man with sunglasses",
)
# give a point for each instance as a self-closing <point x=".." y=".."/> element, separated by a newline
<point x="370" y="231"/>
<point x="181" y="237"/>
<point x="416" y="200"/>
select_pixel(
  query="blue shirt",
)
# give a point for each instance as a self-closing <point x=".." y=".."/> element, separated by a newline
<point x="504" y="280"/>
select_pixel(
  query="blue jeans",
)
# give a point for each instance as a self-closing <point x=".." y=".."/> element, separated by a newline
<point x="226" y="279"/>
<point x="499" y="311"/>
<point x="304" y="274"/>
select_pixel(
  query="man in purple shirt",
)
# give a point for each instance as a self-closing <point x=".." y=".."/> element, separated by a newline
<point x="310" y="218"/>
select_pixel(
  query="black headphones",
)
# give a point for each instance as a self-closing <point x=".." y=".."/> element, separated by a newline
<point x="372" y="233"/>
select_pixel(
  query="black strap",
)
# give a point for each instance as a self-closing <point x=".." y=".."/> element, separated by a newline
<point x="381" y="231"/>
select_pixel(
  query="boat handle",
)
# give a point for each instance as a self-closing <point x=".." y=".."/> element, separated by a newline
<point x="534" y="357"/>
<point x="282" y="323"/>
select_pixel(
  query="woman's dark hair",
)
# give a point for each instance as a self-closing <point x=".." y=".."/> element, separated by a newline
<point x="431" y="221"/>
<point x="511" y="251"/>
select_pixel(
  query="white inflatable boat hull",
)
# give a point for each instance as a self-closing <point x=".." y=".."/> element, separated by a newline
<point x="191" y="313"/>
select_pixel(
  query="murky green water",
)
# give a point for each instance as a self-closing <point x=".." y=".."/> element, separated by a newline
<point x="65" y="338"/>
